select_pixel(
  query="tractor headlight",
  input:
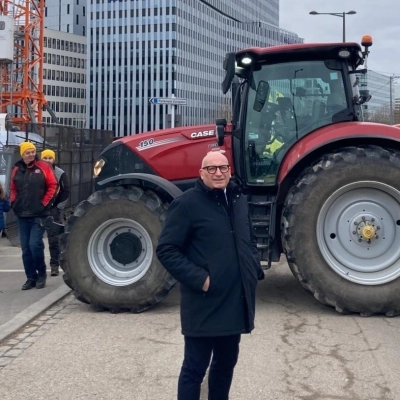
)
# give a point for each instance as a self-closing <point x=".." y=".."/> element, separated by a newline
<point x="98" y="166"/>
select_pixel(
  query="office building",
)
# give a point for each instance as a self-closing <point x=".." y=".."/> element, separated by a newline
<point x="143" y="50"/>
<point x="397" y="103"/>
<point x="66" y="16"/>
<point x="64" y="77"/>
<point x="378" y="86"/>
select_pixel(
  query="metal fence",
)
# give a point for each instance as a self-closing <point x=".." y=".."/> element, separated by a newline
<point x="76" y="152"/>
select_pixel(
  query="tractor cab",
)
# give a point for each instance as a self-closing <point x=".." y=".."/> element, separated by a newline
<point x="284" y="93"/>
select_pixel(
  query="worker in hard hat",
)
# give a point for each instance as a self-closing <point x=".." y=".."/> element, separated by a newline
<point x="57" y="209"/>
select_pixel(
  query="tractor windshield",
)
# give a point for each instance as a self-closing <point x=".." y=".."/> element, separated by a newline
<point x="285" y="102"/>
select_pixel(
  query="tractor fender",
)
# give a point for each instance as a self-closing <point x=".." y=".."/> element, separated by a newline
<point x="328" y="135"/>
<point x="164" y="184"/>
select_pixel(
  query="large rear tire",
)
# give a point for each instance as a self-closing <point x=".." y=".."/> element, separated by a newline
<point x="341" y="230"/>
<point x="108" y="250"/>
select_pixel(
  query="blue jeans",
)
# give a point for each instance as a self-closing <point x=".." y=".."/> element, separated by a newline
<point x="31" y="235"/>
<point x="198" y="351"/>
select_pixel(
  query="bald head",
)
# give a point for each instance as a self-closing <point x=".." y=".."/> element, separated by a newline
<point x="214" y="178"/>
<point x="214" y="158"/>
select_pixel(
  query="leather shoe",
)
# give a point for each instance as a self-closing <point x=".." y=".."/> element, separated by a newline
<point x="54" y="271"/>
<point x="41" y="282"/>
<point x="29" y="284"/>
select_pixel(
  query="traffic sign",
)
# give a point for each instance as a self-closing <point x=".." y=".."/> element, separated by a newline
<point x="168" y="100"/>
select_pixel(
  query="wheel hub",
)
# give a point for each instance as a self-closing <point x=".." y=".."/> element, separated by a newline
<point x="366" y="228"/>
<point x="120" y="251"/>
<point x="125" y="248"/>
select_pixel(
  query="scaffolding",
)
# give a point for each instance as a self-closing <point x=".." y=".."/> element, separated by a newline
<point x="21" y="82"/>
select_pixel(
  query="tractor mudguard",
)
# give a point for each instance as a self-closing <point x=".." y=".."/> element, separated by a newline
<point x="164" y="184"/>
<point x="361" y="131"/>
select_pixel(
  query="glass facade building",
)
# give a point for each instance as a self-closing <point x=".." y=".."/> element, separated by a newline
<point x="140" y="50"/>
<point x="378" y="85"/>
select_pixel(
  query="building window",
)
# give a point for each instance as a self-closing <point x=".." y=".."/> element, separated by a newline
<point x="84" y="11"/>
<point x="67" y="27"/>
<point x="67" y="8"/>
<point x="77" y="19"/>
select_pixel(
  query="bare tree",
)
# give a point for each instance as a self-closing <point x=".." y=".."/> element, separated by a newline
<point x="224" y="109"/>
<point x="381" y="115"/>
<point x="397" y="114"/>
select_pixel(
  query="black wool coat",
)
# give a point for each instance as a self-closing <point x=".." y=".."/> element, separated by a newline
<point x="203" y="236"/>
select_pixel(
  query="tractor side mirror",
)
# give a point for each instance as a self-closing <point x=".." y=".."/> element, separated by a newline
<point x="220" y="130"/>
<point x="262" y="94"/>
<point x="229" y="67"/>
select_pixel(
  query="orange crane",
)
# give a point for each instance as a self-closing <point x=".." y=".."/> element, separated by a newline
<point x="21" y="84"/>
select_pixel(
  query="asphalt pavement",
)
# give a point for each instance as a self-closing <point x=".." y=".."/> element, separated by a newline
<point x="18" y="307"/>
<point x="54" y="347"/>
<point x="299" y="350"/>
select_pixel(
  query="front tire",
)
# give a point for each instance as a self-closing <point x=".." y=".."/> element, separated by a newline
<point x="108" y="250"/>
<point x="341" y="230"/>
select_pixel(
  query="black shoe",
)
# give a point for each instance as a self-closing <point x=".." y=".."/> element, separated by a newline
<point x="29" y="284"/>
<point x="54" y="270"/>
<point x="41" y="282"/>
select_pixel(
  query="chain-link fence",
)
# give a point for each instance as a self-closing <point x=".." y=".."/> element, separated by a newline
<point x="76" y="152"/>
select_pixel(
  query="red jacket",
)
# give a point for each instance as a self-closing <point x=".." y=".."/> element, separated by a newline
<point x="33" y="188"/>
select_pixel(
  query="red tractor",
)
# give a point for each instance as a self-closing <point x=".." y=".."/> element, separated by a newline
<point x="323" y="186"/>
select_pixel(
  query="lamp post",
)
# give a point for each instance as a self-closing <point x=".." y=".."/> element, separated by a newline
<point x="341" y="15"/>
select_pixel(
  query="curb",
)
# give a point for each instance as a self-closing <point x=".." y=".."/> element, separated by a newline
<point x="31" y="312"/>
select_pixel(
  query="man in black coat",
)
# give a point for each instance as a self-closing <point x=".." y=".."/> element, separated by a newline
<point x="208" y="245"/>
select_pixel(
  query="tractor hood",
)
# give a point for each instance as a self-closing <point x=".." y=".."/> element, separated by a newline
<point x="174" y="154"/>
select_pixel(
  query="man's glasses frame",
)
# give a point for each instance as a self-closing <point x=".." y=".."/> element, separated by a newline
<point x="212" y="169"/>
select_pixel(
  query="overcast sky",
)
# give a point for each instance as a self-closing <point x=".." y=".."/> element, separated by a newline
<point x="378" y="18"/>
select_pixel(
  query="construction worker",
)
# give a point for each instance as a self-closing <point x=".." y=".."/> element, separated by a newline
<point x="57" y="208"/>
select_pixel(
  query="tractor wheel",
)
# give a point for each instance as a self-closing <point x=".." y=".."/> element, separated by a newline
<point x="108" y="250"/>
<point x="341" y="230"/>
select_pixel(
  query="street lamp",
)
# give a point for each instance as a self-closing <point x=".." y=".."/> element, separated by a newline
<point x="341" y="15"/>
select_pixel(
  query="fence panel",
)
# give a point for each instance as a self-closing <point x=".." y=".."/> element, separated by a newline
<point x="76" y="152"/>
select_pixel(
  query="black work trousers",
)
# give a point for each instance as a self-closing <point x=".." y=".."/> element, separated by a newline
<point x="53" y="239"/>
<point x="198" y="351"/>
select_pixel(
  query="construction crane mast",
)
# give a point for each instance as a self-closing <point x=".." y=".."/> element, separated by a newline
<point x="21" y="80"/>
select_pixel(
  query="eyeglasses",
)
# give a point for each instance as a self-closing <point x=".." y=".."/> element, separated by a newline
<point x="212" y="169"/>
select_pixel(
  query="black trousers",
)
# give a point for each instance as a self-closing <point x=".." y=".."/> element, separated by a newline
<point x="53" y="239"/>
<point x="198" y="351"/>
<point x="31" y="233"/>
